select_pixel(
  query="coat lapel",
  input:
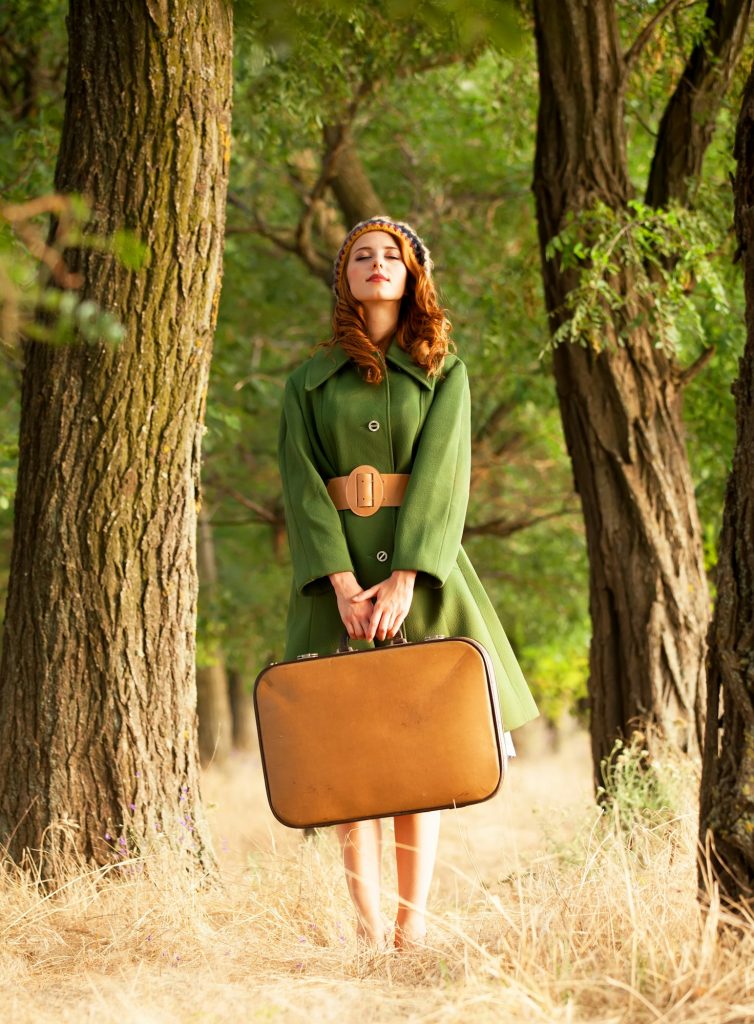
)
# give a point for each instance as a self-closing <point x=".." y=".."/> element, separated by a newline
<point x="323" y="364"/>
<point x="403" y="361"/>
<point x="327" y="361"/>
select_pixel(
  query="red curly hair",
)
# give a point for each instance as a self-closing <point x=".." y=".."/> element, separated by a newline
<point x="423" y="328"/>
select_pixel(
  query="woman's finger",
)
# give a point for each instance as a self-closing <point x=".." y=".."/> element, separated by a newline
<point x="374" y="622"/>
<point x="395" y="624"/>
<point x="365" y="594"/>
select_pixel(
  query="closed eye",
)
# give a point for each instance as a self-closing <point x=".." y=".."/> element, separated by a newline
<point x="389" y="256"/>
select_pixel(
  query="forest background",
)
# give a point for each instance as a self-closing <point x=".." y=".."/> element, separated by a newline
<point x="428" y="112"/>
<point x="445" y="136"/>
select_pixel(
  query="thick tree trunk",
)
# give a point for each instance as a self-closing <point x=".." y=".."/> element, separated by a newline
<point x="727" y="797"/>
<point x="621" y="409"/>
<point x="212" y="696"/>
<point x="97" y="688"/>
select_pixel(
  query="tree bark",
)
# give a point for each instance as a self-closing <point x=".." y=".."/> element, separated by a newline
<point x="212" y="696"/>
<point x="621" y="406"/>
<point x="688" y="122"/>
<point x="97" y="686"/>
<point x="350" y="184"/>
<point x="727" y="793"/>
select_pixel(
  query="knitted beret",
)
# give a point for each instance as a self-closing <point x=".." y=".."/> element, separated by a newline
<point x="393" y="227"/>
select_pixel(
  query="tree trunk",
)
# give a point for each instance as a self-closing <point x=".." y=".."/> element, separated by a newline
<point x="621" y="406"/>
<point x="688" y="121"/>
<point x="353" y="191"/>
<point x="242" y="708"/>
<point x="97" y="686"/>
<point x="727" y="796"/>
<point x="212" y="696"/>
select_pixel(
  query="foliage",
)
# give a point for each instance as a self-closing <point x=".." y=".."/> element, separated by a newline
<point x="444" y="127"/>
<point x="32" y="70"/>
<point x="288" y="27"/>
<point x="38" y="294"/>
<point x="641" y="791"/>
<point x="415" y="145"/>
<point x="639" y="267"/>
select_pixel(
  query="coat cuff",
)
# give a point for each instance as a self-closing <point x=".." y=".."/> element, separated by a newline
<point x="424" y="577"/>
<point x="313" y="585"/>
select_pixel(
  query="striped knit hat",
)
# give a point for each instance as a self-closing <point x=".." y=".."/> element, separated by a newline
<point x="393" y="227"/>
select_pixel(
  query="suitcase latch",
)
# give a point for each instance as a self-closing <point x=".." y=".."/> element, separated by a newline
<point x="302" y="657"/>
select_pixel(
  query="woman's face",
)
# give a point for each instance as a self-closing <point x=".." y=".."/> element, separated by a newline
<point x="376" y="271"/>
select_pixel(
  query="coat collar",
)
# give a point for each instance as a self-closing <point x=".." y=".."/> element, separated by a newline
<point x="327" y="361"/>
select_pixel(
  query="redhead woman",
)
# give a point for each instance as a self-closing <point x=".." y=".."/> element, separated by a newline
<point x="386" y="391"/>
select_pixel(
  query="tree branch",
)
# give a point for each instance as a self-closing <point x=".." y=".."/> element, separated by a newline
<point x="506" y="527"/>
<point x="285" y="239"/>
<point x="632" y="54"/>
<point x="693" y="369"/>
<point x="689" y="120"/>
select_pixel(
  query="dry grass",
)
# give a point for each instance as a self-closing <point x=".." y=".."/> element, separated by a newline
<point x="541" y="912"/>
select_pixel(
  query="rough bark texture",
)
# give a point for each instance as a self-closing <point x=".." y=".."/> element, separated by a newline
<point x="727" y="797"/>
<point x="97" y="687"/>
<point x="212" y="696"/>
<point x="621" y="407"/>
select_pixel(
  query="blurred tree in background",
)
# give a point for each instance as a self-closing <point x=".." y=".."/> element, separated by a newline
<point x="426" y="112"/>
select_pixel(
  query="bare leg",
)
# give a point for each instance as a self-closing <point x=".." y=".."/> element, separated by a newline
<point x="416" y="838"/>
<point x="361" y="842"/>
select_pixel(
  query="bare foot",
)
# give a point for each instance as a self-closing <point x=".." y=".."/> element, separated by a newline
<point x="374" y="939"/>
<point x="410" y="936"/>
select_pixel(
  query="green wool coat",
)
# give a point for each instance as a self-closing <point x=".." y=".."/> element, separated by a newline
<point x="333" y="420"/>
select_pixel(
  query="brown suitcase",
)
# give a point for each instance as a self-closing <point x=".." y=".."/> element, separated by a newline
<point x="397" y="729"/>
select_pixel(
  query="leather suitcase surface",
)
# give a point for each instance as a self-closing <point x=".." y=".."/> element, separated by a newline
<point x="373" y="733"/>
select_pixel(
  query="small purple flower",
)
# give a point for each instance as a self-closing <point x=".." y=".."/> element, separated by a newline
<point x="108" y="836"/>
<point x="132" y="806"/>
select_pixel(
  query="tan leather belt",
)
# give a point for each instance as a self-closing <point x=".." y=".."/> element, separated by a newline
<point x="365" y="490"/>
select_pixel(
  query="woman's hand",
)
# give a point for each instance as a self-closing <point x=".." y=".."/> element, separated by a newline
<point x="391" y="606"/>
<point x="354" y="615"/>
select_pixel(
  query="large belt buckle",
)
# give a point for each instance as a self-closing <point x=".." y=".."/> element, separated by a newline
<point x="364" y="490"/>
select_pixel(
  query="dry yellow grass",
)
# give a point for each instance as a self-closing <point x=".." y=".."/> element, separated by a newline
<point x="541" y="912"/>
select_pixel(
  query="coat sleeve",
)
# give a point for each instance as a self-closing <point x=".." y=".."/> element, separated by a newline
<point x="315" y="534"/>
<point x="431" y="518"/>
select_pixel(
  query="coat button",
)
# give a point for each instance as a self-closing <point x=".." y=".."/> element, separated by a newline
<point x="374" y="425"/>
<point x="382" y="556"/>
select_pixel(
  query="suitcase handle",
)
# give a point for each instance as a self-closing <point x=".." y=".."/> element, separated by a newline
<point x="344" y="647"/>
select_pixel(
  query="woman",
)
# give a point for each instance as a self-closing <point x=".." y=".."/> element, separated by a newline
<point x="386" y="392"/>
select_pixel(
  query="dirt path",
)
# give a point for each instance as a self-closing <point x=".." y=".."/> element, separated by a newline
<point x="544" y="794"/>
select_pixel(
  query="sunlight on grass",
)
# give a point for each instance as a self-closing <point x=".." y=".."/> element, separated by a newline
<point x="544" y="909"/>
